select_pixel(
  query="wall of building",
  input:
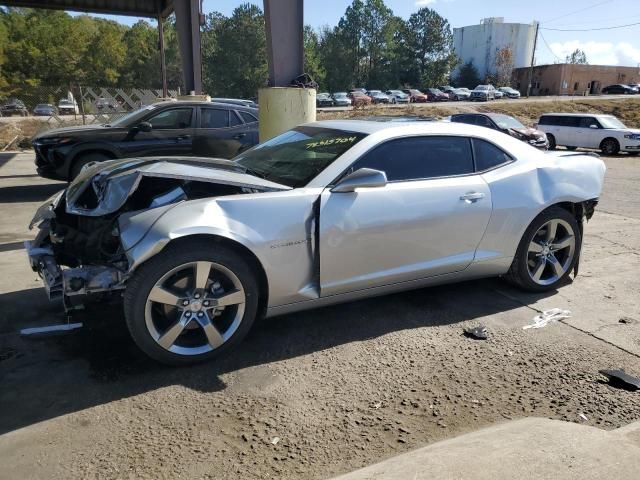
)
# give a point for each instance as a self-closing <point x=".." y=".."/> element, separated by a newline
<point x="479" y="43"/>
<point x="570" y="79"/>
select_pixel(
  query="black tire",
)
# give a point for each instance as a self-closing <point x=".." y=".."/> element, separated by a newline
<point x="552" y="141"/>
<point x="519" y="272"/>
<point x="83" y="160"/>
<point x="571" y="148"/>
<point x="610" y="146"/>
<point x="175" y="255"/>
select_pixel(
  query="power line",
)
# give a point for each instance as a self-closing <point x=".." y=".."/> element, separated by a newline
<point x="549" y="48"/>
<point x="590" y="29"/>
<point x="576" y="11"/>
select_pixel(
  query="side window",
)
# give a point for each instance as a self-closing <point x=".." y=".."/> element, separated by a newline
<point x="172" y="119"/>
<point x="483" y="121"/>
<point x="464" y="119"/>
<point x="247" y="117"/>
<point x="234" y="120"/>
<point x="570" y="122"/>
<point x="488" y="155"/>
<point x="214" y="118"/>
<point x="547" y="121"/>
<point x="586" y="122"/>
<point x="416" y="158"/>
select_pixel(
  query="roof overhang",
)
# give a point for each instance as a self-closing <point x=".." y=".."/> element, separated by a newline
<point x="135" y="8"/>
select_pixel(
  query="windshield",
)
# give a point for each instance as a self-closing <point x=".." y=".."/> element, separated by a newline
<point x="611" y="122"/>
<point x="340" y="94"/>
<point x="133" y="117"/>
<point x="295" y="157"/>
<point x="482" y="87"/>
<point x="505" y="121"/>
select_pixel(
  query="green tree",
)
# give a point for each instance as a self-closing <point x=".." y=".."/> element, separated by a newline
<point x="577" y="57"/>
<point x="430" y="37"/>
<point x="141" y="65"/>
<point x="336" y="59"/>
<point x="237" y="62"/>
<point x="312" y="58"/>
<point x="467" y="76"/>
<point x="105" y="55"/>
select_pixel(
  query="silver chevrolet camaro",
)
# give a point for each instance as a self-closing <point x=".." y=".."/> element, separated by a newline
<point x="327" y="212"/>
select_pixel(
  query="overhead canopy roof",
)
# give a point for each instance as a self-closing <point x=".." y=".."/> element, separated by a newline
<point x="135" y="8"/>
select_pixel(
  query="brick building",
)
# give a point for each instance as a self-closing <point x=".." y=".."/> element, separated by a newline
<point x="573" y="79"/>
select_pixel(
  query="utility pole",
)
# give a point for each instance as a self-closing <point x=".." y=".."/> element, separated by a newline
<point x="163" y="63"/>
<point x="533" y="56"/>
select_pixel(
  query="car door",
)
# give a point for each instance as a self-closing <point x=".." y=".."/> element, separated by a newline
<point x="589" y="134"/>
<point x="171" y="134"/>
<point x="427" y="220"/>
<point x="221" y="133"/>
<point x="251" y="121"/>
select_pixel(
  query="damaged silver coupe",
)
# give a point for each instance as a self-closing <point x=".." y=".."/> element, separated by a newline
<point x="325" y="213"/>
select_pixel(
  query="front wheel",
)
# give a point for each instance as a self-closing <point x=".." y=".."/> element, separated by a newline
<point x="552" y="141"/>
<point x="190" y="303"/>
<point x="610" y="146"/>
<point x="547" y="251"/>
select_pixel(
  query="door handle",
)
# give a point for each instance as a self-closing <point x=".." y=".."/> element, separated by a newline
<point x="239" y="136"/>
<point x="183" y="137"/>
<point x="472" y="197"/>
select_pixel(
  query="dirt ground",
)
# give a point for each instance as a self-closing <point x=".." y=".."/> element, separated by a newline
<point x="313" y="394"/>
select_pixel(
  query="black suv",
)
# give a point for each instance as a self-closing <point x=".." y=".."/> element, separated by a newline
<point x="13" y="106"/>
<point x="168" y="128"/>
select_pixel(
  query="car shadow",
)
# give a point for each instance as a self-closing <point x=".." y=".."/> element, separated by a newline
<point x="45" y="378"/>
<point x="5" y="157"/>
<point x="29" y="193"/>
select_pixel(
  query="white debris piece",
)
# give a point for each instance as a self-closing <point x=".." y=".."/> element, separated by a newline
<point x="547" y="317"/>
<point x="275" y="440"/>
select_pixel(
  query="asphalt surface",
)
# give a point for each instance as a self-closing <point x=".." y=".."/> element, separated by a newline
<point x="319" y="393"/>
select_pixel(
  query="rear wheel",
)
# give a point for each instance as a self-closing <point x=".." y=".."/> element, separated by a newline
<point x="547" y="251"/>
<point x="191" y="302"/>
<point x="610" y="146"/>
<point x="85" y="159"/>
<point x="552" y="141"/>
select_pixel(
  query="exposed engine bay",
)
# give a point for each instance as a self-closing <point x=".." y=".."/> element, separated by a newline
<point x="78" y="250"/>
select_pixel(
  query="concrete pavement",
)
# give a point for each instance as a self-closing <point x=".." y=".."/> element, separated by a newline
<point x="531" y="448"/>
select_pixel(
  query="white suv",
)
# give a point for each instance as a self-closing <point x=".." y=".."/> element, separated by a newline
<point x="603" y="132"/>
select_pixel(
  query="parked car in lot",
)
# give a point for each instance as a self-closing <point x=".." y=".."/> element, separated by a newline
<point x="14" y="106"/>
<point x="167" y="128"/>
<point x="341" y="99"/>
<point x="397" y="96"/>
<point x="459" y="94"/>
<point x="359" y="99"/>
<point x="416" y="96"/>
<point x="483" y="93"/>
<point x="68" y="107"/>
<point x="436" y="95"/>
<point x="324" y="100"/>
<point x="498" y="94"/>
<point x="602" y="132"/>
<point x="509" y="92"/>
<point x="619" y="89"/>
<point x="197" y="249"/>
<point x="505" y="124"/>
<point x="45" y="110"/>
<point x="103" y="104"/>
<point x="378" y="97"/>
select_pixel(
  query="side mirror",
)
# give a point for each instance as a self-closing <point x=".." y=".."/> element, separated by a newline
<point x="361" y="178"/>
<point x="593" y="126"/>
<point x="145" y="127"/>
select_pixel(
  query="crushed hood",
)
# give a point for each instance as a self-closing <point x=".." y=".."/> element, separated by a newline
<point x="110" y="183"/>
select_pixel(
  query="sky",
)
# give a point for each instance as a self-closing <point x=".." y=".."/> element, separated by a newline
<point x="609" y="46"/>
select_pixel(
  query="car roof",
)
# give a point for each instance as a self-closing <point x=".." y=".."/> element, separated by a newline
<point x="203" y="103"/>
<point x="575" y="115"/>
<point x="373" y="126"/>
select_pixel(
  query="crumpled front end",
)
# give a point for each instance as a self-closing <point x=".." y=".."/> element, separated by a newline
<point x="80" y="250"/>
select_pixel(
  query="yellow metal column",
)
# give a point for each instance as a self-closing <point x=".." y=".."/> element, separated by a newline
<point x="282" y="108"/>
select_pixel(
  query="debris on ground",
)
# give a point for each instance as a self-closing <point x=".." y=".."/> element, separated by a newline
<point x="583" y="417"/>
<point x="50" y="329"/>
<point x="620" y="379"/>
<point x="627" y="320"/>
<point x="547" y="317"/>
<point x="477" y="333"/>
<point x="275" y="440"/>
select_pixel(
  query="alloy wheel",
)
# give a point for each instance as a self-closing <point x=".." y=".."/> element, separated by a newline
<point x="551" y="251"/>
<point x="195" y="308"/>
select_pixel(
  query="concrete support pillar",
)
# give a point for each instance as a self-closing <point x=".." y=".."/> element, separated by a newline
<point x="282" y="108"/>
<point x="188" y="26"/>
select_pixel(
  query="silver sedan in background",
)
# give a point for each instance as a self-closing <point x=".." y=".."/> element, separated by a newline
<point x="325" y="213"/>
